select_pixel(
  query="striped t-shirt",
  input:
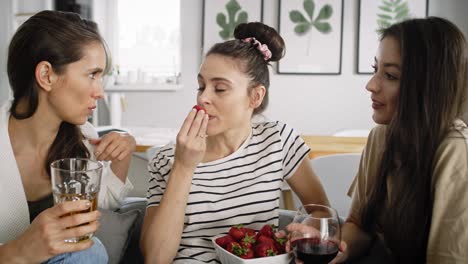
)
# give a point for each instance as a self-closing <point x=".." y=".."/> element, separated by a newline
<point x="242" y="188"/>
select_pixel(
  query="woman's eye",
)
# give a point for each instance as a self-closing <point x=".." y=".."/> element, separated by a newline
<point x="374" y="67"/>
<point x="92" y="75"/>
<point x="201" y="89"/>
<point x="390" y="77"/>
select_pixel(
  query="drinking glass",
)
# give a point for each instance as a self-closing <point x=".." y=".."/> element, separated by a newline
<point x="76" y="179"/>
<point x="319" y="236"/>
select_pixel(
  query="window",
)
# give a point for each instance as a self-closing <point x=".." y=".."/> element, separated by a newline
<point x="147" y="41"/>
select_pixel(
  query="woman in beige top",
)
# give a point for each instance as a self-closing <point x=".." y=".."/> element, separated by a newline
<point x="411" y="191"/>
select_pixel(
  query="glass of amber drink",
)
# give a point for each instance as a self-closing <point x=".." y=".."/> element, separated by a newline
<point x="76" y="179"/>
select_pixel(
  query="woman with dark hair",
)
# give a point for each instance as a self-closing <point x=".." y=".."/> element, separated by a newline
<point x="225" y="169"/>
<point x="56" y="62"/>
<point x="410" y="194"/>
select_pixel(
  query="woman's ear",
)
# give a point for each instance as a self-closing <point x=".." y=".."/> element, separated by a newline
<point x="45" y="75"/>
<point x="256" y="96"/>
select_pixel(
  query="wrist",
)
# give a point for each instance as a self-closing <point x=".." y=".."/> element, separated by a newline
<point x="11" y="253"/>
<point x="179" y="168"/>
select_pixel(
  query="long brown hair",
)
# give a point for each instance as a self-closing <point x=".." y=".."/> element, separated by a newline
<point x="433" y="55"/>
<point x="254" y="64"/>
<point x="59" y="38"/>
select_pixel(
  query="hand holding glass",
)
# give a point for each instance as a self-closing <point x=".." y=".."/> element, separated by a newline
<point x="76" y="179"/>
<point x="318" y="237"/>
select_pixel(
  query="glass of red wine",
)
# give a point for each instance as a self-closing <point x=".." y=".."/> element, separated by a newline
<point x="318" y="238"/>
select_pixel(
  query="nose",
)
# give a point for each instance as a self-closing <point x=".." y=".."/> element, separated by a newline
<point x="373" y="84"/>
<point x="204" y="97"/>
<point x="99" y="91"/>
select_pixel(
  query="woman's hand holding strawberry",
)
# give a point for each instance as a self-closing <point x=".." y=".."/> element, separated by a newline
<point x="191" y="140"/>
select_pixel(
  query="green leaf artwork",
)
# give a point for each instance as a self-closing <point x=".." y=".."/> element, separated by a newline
<point x="391" y="12"/>
<point x="305" y="22"/>
<point x="229" y="23"/>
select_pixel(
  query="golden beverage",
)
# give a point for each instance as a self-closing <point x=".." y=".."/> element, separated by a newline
<point x="65" y="197"/>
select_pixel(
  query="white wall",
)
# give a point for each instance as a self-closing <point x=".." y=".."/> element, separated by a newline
<point x="5" y="34"/>
<point x="311" y="104"/>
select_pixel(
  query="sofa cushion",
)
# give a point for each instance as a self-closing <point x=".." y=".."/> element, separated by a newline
<point x="114" y="232"/>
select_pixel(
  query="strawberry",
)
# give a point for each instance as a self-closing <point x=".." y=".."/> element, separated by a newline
<point x="265" y="250"/>
<point x="224" y="240"/>
<point x="267" y="230"/>
<point x="198" y="108"/>
<point x="280" y="245"/>
<point x="261" y="239"/>
<point x="250" y="231"/>
<point x="233" y="246"/>
<point x="237" y="232"/>
<point x="248" y="241"/>
<point x="238" y="250"/>
<point x="248" y="254"/>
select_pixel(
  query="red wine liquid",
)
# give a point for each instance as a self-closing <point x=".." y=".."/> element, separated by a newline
<point x="315" y="251"/>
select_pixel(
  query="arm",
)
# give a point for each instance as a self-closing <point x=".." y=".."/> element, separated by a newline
<point x="118" y="148"/>
<point x="305" y="183"/>
<point x="448" y="235"/>
<point x="163" y="225"/>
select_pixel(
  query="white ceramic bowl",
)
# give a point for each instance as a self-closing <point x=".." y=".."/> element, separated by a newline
<point x="227" y="258"/>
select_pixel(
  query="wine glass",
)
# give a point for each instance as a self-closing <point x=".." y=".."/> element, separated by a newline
<point x="318" y="235"/>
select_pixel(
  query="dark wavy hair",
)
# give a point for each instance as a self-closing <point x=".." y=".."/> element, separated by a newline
<point x="433" y="80"/>
<point x="58" y="38"/>
<point x="254" y="64"/>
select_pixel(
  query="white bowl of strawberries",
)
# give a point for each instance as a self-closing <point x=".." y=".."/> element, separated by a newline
<point x="244" y="245"/>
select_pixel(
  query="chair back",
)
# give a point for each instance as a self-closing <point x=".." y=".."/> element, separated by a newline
<point x="336" y="173"/>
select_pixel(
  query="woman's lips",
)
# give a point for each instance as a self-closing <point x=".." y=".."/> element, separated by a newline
<point x="376" y="104"/>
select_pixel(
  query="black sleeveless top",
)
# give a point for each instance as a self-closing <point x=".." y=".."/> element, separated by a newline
<point x="37" y="207"/>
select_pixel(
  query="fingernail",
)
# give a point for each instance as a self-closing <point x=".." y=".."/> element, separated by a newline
<point x="97" y="153"/>
<point x="88" y="204"/>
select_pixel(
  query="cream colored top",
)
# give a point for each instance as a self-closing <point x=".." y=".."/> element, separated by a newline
<point x="14" y="212"/>
<point x="448" y="236"/>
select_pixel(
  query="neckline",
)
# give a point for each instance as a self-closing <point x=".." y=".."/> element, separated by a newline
<point x="232" y="155"/>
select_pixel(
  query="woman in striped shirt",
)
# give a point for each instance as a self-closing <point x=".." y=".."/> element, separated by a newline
<point x="225" y="169"/>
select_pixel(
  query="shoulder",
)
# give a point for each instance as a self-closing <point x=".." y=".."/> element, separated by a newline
<point x="88" y="130"/>
<point x="162" y="157"/>
<point x="272" y="128"/>
<point x="376" y="141"/>
<point x="451" y="158"/>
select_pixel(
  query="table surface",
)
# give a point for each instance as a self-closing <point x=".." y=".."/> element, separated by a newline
<point x="320" y="145"/>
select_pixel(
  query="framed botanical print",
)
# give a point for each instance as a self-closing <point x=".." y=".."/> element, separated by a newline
<point x="220" y="18"/>
<point x="313" y="32"/>
<point x="378" y="14"/>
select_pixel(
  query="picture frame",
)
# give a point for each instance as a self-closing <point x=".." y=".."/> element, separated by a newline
<point x="313" y="34"/>
<point x="380" y="14"/>
<point x="216" y="13"/>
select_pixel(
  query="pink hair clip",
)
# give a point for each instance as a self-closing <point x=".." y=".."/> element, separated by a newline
<point x="263" y="48"/>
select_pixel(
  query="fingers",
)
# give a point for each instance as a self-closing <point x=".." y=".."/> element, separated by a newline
<point x="196" y="124"/>
<point x="343" y="246"/>
<point x="80" y="231"/>
<point x="301" y="228"/>
<point x="281" y="234"/>
<point x="115" y="145"/>
<point x="94" y="141"/>
<point x="204" y="125"/>
<point x="79" y="219"/>
<point x="61" y="209"/>
<point x="187" y="123"/>
<point x="72" y="247"/>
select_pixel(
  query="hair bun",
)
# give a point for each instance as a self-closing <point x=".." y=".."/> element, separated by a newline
<point x="263" y="33"/>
